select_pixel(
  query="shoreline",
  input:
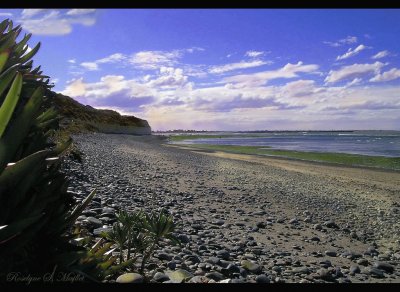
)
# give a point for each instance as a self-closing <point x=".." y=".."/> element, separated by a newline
<point x="266" y="156"/>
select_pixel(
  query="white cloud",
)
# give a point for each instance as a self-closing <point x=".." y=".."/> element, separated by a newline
<point x="346" y="41"/>
<point x="72" y="61"/>
<point x="235" y="66"/>
<point x="386" y="76"/>
<point x="351" y="53"/>
<point x="91" y="66"/>
<point x="52" y="22"/>
<point x="6" y="14"/>
<point x="254" y="54"/>
<point x="353" y="71"/>
<point x="151" y="60"/>
<point x="380" y="55"/>
<point x="260" y="78"/>
<point x="169" y="77"/>
<point x="355" y="81"/>
<point x="94" y="66"/>
<point x="27" y="13"/>
<point x="80" y="11"/>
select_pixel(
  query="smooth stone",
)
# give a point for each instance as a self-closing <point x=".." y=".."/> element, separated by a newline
<point x="224" y="254"/>
<point x="301" y="270"/>
<point x="164" y="256"/>
<point x="95" y="222"/>
<point x="130" y="278"/>
<point x="331" y="253"/>
<point x="171" y="265"/>
<point x="98" y="231"/>
<point x="179" y="275"/>
<point x="250" y="266"/>
<point x="331" y="224"/>
<point x="375" y="272"/>
<point x="355" y="269"/>
<point x="216" y="276"/>
<point x="160" y="277"/>
<point x="184" y="238"/>
<point x="384" y="266"/>
<point x="262" y="279"/>
<point x="363" y="262"/>
<point x="199" y="279"/>
<point x="318" y="227"/>
<point x="225" y="281"/>
<point x="213" y="260"/>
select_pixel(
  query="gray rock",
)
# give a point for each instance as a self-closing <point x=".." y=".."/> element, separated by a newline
<point x="318" y="227"/>
<point x="130" y="278"/>
<point x="384" y="266"/>
<point x="199" y="279"/>
<point x="183" y="238"/>
<point x="160" y="277"/>
<point x="262" y="279"/>
<point x="301" y="270"/>
<point x="223" y="254"/>
<point x="331" y="224"/>
<point x="94" y="222"/>
<point x="331" y="253"/>
<point x="363" y="262"/>
<point x="213" y="260"/>
<point x="225" y="281"/>
<point x="164" y="256"/>
<point x="355" y="269"/>
<point x="375" y="272"/>
<point x="171" y="265"/>
<point x="216" y="276"/>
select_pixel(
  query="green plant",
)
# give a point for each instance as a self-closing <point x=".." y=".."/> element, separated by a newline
<point x="36" y="211"/>
<point x="141" y="233"/>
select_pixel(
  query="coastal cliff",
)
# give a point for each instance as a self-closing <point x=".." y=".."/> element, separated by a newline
<point x="76" y="117"/>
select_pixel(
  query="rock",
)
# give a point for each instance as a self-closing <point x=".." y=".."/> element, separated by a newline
<point x="164" y="256"/>
<point x="363" y="262"/>
<point x="171" y="265"/>
<point x="301" y="270"/>
<point x="230" y="269"/>
<point x="384" y="266"/>
<point x="199" y="279"/>
<point x="294" y="221"/>
<point x="183" y="238"/>
<point x="130" y="278"/>
<point x="94" y="222"/>
<point x="224" y="254"/>
<point x="225" y="281"/>
<point x="237" y="281"/>
<point x="325" y="274"/>
<point x="216" y="276"/>
<point x="331" y="224"/>
<point x="262" y="279"/>
<point x="98" y="231"/>
<point x="315" y="239"/>
<point x="261" y="225"/>
<point x="375" y="272"/>
<point x="160" y="277"/>
<point x="250" y="266"/>
<point x="318" y="227"/>
<point x="213" y="260"/>
<point x="354" y="269"/>
<point x="179" y="275"/>
<point x="218" y="222"/>
<point x="331" y="253"/>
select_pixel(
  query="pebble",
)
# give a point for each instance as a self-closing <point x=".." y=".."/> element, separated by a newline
<point x="160" y="277"/>
<point x="250" y="266"/>
<point x="130" y="278"/>
<point x="384" y="266"/>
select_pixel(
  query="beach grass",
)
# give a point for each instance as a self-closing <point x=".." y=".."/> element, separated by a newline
<point x="392" y="163"/>
<point x="178" y="138"/>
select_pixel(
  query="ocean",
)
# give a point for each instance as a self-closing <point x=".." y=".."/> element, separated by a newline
<point x="373" y="143"/>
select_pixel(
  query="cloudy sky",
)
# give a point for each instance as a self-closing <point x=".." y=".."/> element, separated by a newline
<point x="226" y="69"/>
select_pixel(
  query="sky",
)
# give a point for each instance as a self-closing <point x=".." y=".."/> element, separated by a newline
<point x="226" y="69"/>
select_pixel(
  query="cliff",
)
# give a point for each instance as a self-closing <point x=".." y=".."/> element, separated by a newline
<point x="76" y="117"/>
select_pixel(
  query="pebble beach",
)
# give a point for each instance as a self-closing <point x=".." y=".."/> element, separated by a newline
<point x="243" y="218"/>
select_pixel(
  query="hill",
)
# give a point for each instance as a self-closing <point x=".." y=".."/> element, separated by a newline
<point x="76" y="117"/>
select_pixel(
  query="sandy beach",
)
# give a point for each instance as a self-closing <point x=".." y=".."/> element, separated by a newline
<point x="294" y="221"/>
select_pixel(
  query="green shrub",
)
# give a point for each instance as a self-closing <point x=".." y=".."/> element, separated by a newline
<point x="36" y="211"/>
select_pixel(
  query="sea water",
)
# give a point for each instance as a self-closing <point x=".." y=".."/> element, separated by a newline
<point x="373" y="143"/>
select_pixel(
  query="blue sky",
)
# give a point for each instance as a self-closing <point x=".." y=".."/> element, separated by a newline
<point x="226" y="69"/>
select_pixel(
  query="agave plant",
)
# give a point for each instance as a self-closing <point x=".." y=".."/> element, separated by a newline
<point x="158" y="226"/>
<point x="36" y="212"/>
